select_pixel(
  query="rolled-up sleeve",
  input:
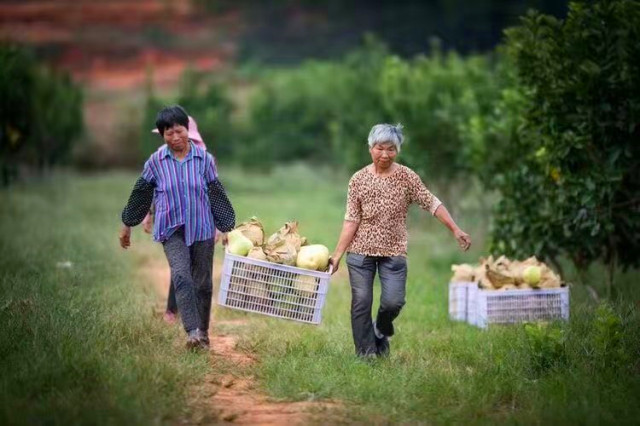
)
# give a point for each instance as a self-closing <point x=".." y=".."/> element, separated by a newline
<point x="421" y="195"/>
<point x="354" y="211"/>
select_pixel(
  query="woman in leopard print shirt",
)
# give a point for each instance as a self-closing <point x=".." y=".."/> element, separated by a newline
<point x="374" y="234"/>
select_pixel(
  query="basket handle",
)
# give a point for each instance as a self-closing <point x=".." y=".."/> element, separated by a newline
<point x="330" y="269"/>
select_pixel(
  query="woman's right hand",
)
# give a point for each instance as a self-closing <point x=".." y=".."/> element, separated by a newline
<point x="125" y="237"/>
<point x="334" y="261"/>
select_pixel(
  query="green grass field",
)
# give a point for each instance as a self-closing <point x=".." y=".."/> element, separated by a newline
<point x="82" y="344"/>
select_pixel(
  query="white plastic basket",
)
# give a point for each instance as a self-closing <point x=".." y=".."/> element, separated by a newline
<point x="515" y="306"/>
<point x="459" y="299"/>
<point x="272" y="289"/>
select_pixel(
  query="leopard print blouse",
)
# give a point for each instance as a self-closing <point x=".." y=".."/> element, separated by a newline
<point x="380" y="205"/>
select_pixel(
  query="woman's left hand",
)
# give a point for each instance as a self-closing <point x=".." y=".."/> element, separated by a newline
<point x="464" y="240"/>
<point x="147" y="223"/>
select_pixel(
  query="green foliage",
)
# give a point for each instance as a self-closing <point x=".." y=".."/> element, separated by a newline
<point x="16" y="87"/>
<point x="320" y="111"/>
<point x="438" y="98"/>
<point x="546" y="346"/>
<point x="40" y="114"/>
<point x="323" y="111"/>
<point x="57" y="112"/>
<point x="489" y="133"/>
<point x="573" y="185"/>
<point x="608" y="339"/>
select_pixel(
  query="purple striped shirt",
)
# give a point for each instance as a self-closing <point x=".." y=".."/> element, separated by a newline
<point x="181" y="196"/>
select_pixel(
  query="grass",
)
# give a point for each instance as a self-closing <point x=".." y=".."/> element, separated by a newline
<point x="80" y="344"/>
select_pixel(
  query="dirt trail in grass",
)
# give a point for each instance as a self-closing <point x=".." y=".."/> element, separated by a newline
<point x="234" y="398"/>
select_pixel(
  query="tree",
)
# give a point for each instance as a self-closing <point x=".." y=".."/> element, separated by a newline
<point x="16" y="86"/>
<point x="574" y="186"/>
<point x="40" y="114"/>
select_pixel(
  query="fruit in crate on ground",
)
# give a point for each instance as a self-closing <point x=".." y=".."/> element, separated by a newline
<point x="238" y="243"/>
<point x="531" y="275"/>
<point x="314" y="257"/>
<point x="506" y="274"/>
<point x="463" y="273"/>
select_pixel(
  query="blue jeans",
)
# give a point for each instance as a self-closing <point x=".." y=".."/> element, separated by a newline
<point x="393" y="279"/>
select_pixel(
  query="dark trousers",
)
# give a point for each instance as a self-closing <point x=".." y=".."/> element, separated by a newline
<point x="393" y="279"/>
<point x="191" y="279"/>
<point x="172" y="305"/>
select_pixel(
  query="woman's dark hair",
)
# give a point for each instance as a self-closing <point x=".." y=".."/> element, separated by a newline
<point x="170" y="116"/>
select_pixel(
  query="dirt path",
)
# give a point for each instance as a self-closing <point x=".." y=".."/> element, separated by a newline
<point x="228" y="398"/>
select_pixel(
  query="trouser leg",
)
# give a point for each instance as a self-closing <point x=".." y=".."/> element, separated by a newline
<point x="172" y="305"/>
<point x="179" y="257"/>
<point x="201" y="266"/>
<point x="393" y="279"/>
<point x="362" y="270"/>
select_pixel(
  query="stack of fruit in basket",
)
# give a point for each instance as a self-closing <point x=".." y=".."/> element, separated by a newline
<point x="261" y="284"/>
<point x="285" y="247"/>
<point x="505" y="274"/>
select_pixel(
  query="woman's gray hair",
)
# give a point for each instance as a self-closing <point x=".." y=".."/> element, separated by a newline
<point x="383" y="133"/>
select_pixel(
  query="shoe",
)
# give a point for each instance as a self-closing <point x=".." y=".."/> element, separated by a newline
<point x="367" y="358"/>
<point x="382" y="342"/>
<point x="194" y="339"/>
<point x="383" y="346"/>
<point x="204" y="339"/>
<point x="169" y="317"/>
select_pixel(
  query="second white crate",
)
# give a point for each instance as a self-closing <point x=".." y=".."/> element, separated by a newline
<point x="461" y="295"/>
<point x="516" y="306"/>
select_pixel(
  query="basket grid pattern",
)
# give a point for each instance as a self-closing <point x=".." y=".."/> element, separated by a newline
<point x="272" y="289"/>
<point x="459" y="298"/>
<point x="504" y="309"/>
<point x="484" y="307"/>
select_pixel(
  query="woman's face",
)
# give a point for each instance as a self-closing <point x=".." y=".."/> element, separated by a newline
<point x="383" y="154"/>
<point x="176" y="137"/>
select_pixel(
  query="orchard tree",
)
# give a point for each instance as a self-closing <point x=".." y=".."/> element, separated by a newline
<point x="573" y="188"/>
<point x="40" y="114"/>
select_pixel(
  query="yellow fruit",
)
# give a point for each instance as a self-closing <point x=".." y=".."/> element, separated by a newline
<point x="531" y="275"/>
<point x="238" y="243"/>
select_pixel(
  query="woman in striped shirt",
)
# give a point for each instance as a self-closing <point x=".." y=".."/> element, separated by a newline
<point x="147" y="224"/>
<point x="182" y="178"/>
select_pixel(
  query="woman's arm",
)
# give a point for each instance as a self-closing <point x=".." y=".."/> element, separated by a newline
<point x="464" y="241"/>
<point x="349" y="229"/>
<point x="421" y="195"/>
<point x="224" y="216"/>
<point x="136" y="209"/>
<point x="139" y="202"/>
